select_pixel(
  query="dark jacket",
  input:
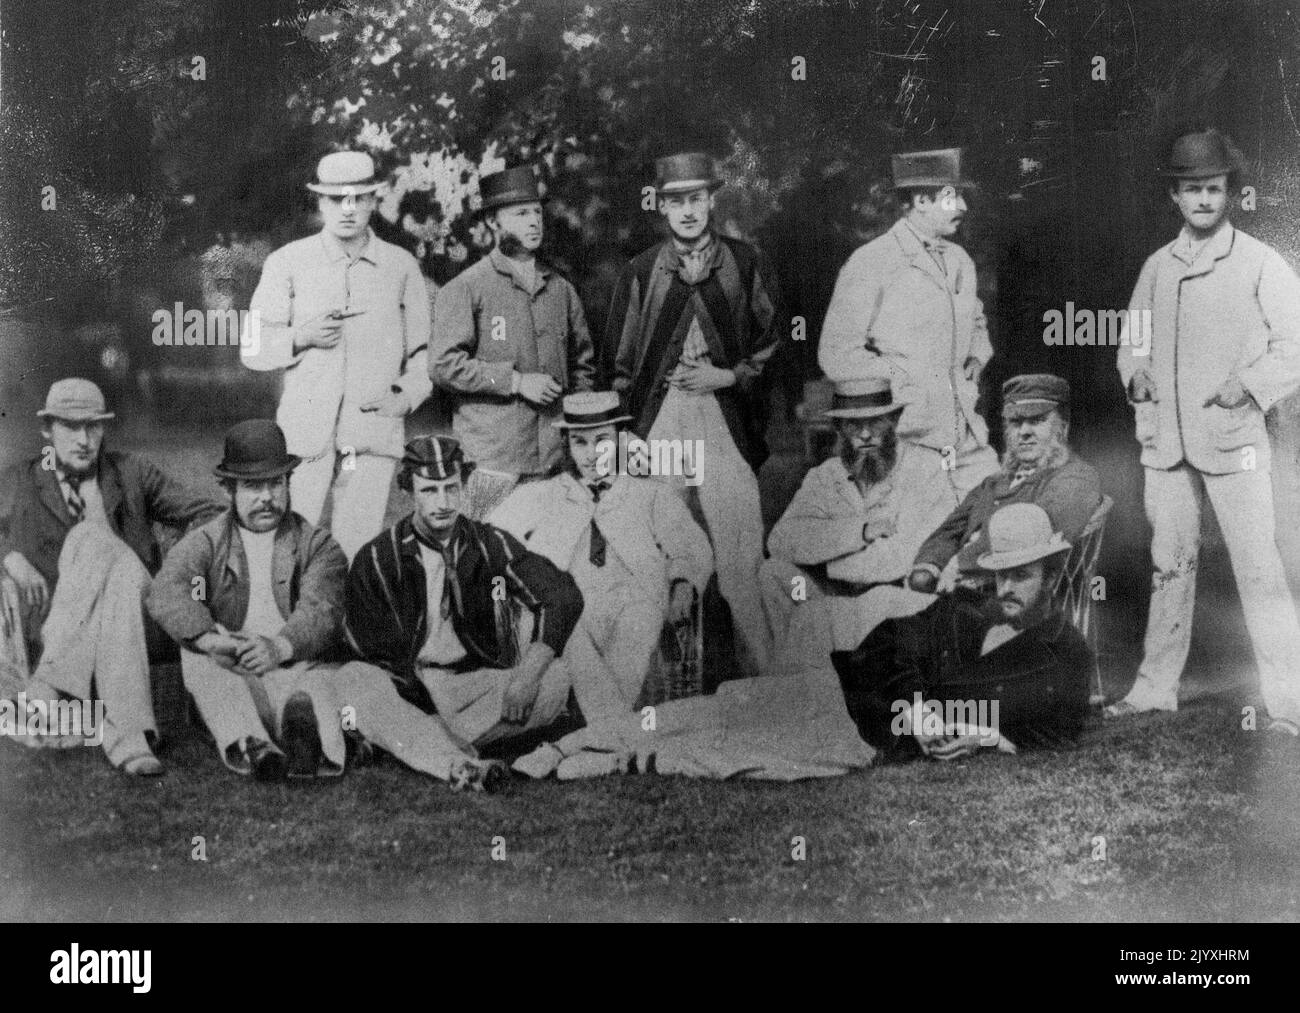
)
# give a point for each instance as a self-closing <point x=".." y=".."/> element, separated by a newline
<point x="1069" y="493"/>
<point x="738" y="303"/>
<point x="387" y="615"/>
<point x="34" y="518"/>
<point x="308" y="570"/>
<point x="1039" y="678"/>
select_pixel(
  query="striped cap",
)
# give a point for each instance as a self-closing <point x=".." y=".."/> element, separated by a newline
<point x="434" y="457"/>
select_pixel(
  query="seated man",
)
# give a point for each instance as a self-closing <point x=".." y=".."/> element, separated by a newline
<point x="967" y="672"/>
<point x="431" y="608"/>
<point x="1037" y="467"/>
<point x="255" y="599"/>
<point x="856" y="521"/>
<point x="78" y="509"/>
<point x="630" y="543"/>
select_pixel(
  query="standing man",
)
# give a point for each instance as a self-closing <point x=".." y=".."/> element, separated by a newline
<point x="1224" y="313"/>
<point x="509" y="337"/>
<point x="905" y="307"/>
<point x="272" y="612"/>
<point x="692" y="323"/>
<point x="77" y="544"/>
<point x="346" y="316"/>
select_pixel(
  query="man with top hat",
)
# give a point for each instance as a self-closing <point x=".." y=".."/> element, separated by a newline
<point x="629" y="542"/>
<point x="856" y="522"/>
<point x="258" y="641"/>
<point x="345" y="315"/>
<point x="1223" y="348"/>
<point x="905" y="307"/>
<point x="77" y="543"/>
<point x="692" y="323"/>
<point x="1007" y="672"/>
<point x="459" y="628"/>
<point x="509" y="338"/>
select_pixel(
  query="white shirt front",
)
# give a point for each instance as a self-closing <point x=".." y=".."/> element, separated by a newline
<point x="263" y="613"/>
<point x="442" y="648"/>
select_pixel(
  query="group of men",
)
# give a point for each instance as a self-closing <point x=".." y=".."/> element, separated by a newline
<point x="539" y="574"/>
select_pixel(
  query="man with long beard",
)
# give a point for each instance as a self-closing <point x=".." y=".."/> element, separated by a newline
<point x="856" y="521"/>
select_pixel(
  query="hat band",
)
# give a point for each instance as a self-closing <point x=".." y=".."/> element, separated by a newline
<point x="1052" y="402"/>
<point x="594" y="418"/>
<point x="880" y="399"/>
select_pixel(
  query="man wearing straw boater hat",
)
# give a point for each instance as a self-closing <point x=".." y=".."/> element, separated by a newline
<point x="855" y="523"/>
<point x="345" y="315"/>
<point x="693" y="322"/>
<point x="905" y="307"/>
<point x="509" y="339"/>
<point x="1008" y="673"/>
<point x="258" y="643"/>
<point x="636" y="553"/>
<point x="77" y="543"/>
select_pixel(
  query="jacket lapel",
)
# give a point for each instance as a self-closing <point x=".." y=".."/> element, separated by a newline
<point x="915" y="251"/>
<point x="110" y="490"/>
<point x="52" y="496"/>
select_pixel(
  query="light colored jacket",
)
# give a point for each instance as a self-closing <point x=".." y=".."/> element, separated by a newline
<point x="382" y="348"/>
<point x="893" y="314"/>
<point x="1236" y="309"/>
<point x="825" y="522"/>
<point x="645" y="522"/>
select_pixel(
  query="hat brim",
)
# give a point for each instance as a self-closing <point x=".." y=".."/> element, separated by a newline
<point x="562" y="424"/>
<point x="688" y="185"/>
<point x="73" y="416"/>
<point x="961" y="184"/>
<point x="282" y="467"/>
<point x="344" y="189"/>
<point x="1010" y="560"/>
<point x="1207" y="173"/>
<point x="864" y="413"/>
<point x="1029" y="409"/>
<point x="506" y="202"/>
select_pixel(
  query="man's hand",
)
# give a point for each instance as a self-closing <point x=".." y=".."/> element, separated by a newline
<point x="32" y="587"/>
<point x="320" y="331"/>
<point x="972" y="369"/>
<point x="394" y="405"/>
<point x="520" y="695"/>
<point x="922" y="580"/>
<point x="1231" y="394"/>
<point x="220" y="646"/>
<point x="1141" y="387"/>
<point x="538" y="388"/>
<point x="948" y="747"/>
<point x="257" y="654"/>
<point x="703" y="378"/>
<point x="681" y="602"/>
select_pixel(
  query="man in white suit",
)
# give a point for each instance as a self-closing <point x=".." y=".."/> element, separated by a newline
<point x="905" y="309"/>
<point x="346" y="316"/>
<point x="630" y="543"/>
<point x="1223" y="348"/>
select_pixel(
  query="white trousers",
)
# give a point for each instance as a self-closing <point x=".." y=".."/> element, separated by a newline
<point x="610" y="650"/>
<point x="1243" y="504"/>
<point x="360" y="495"/>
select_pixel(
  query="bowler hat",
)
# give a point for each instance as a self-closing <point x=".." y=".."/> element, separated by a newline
<point x="255" y="450"/>
<point x="941" y="167"/>
<point x="1200" y="155"/>
<point x="685" y="172"/>
<point x="509" y="186"/>
<point x="75" y="400"/>
<point x="434" y="457"/>
<point x="1020" y="533"/>
<point x="345" y="173"/>
<point x="1032" y="394"/>
<point x="867" y="398"/>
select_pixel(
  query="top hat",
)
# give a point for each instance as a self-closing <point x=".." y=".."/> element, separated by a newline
<point x="1020" y="533"/>
<point x="1032" y="394"/>
<point x="435" y="457"/>
<point x="75" y="400"/>
<point x="1200" y="155"/>
<point x="255" y="450"/>
<point x="867" y="398"/>
<point x="345" y="173"/>
<point x="685" y="172"/>
<point x="509" y="186"/>
<point x="590" y="409"/>
<point x="941" y="167"/>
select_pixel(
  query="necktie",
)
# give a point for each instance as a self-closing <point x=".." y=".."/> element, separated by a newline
<point x="936" y="254"/>
<point x="444" y="549"/>
<point x="597" y="554"/>
<point x="76" y="505"/>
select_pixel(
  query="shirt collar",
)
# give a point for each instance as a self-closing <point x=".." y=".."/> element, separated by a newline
<point x="1215" y="248"/>
<point x="502" y="263"/>
<point x="334" y="249"/>
<point x="711" y="251"/>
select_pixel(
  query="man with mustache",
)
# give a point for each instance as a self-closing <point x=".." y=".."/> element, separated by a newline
<point x="692" y="324"/>
<point x="1224" y="348"/>
<point x="1015" y="654"/>
<point x="509" y="338"/>
<point x="77" y="542"/>
<point x="255" y="599"/>
<point x="855" y="523"/>
<point x="905" y="308"/>
<point x="345" y="315"/>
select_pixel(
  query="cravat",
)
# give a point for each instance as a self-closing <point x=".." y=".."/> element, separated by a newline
<point x="76" y="505"/>
<point x="935" y="250"/>
<point x="443" y="549"/>
<point x="597" y="553"/>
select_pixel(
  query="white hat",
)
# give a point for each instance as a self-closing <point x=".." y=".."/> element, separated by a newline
<point x="345" y="173"/>
<point x="1020" y="533"/>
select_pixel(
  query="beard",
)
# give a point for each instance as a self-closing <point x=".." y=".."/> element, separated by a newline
<point x="1054" y="452"/>
<point x="872" y="465"/>
<point x="509" y="244"/>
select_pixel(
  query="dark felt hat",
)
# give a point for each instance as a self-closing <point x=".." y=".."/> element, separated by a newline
<point x="940" y="167"/>
<point x="1200" y="155"/>
<point x="255" y="450"/>
<point x="1033" y="394"/>
<point x="685" y="172"/>
<point x="509" y="186"/>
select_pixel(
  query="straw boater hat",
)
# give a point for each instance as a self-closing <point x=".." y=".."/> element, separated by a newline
<point x="346" y="174"/>
<point x="517" y="185"/>
<point x="867" y="398"/>
<point x="685" y="172"/>
<point x="255" y="451"/>
<point x="590" y="409"/>
<point x="1020" y="533"/>
<point x="941" y="167"/>
<point x="75" y="400"/>
<point x="1032" y="394"/>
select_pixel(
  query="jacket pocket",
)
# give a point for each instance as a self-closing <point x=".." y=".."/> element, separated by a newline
<point x="1232" y="428"/>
